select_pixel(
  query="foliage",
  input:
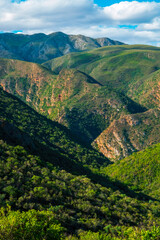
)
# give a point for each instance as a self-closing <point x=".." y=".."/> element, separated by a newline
<point x="140" y="171"/>
<point x="117" y="67"/>
<point x="118" y="233"/>
<point x="27" y="183"/>
<point x="32" y="225"/>
<point x="53" y="182"/>
<point x="50" y="134"/>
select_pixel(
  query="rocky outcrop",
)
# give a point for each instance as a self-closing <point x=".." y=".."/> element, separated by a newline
<point x="130" y="133"/>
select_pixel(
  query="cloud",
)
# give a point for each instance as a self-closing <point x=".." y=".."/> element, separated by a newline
<point x="132" y="12"/>
<point x="84" y="17"/>
<point x="153" y="26"/>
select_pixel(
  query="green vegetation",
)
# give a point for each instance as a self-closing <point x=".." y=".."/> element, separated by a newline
<point x="72" y="98"/>
<point x="140" y="171"/>
<point x="146" y="91"/>
<point x="123" y="68"/>
<point x="44" y="188"/>
<point x="26" y="182"/>
<point x="47" y="134"/>
<point x="29" y="225"/>
<point x="53" y="184"/>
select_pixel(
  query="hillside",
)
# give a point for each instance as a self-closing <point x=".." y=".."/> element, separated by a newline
<point x="47" y="174"/>
<point x="14" y="113"/>
<point x="140" y="171"/>
<point x="118" y="67"/>
<point x="74" y="94"/>
<point x="71" y="98"/>
<point x="129" y="70"/>
<point x="146" y="91"/>
<point x="128" y="134"/>
<point x="40" y="47"/>
<point x="31" y="82"/>
<point x="74" y="201"/>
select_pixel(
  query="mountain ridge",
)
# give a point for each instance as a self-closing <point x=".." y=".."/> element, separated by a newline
<point x="41" y="47"/>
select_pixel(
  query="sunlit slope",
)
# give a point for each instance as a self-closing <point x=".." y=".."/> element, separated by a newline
<point x="71" y="98"/>
<point x="128" y="134"/>
<point x="141" y="171"/>
<point x="114" y="66"/>
<point x="146" y="91"/>
<point x="42" y="182"/>
<point x="29" y="81"/>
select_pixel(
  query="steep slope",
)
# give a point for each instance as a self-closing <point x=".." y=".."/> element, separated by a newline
<point x="146" y="91"/>
<point x="36" y="182"/>
<point x="133" y="71"/>
<point x="84" y="106"/>
<point x="44" y="132"/>
<point x="27" y="182"/>
<point x="29" y="81"/>
<point x="72" y="98"/>
<point x="129" y="133"/>
<point x="141" y="171"/>
<point x="40" y="47"/>
<point x="117" y="67"/>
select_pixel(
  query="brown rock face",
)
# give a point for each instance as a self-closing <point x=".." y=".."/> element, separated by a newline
<point x="128" y="134"/>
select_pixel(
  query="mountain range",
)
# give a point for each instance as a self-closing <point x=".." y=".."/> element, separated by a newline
<point x="40" y="47"/>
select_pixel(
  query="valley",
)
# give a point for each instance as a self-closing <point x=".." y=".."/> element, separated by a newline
<point x="79" y="138"/>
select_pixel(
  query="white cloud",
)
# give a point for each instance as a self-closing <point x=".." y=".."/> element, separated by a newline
<point x="153" y="26"/>
<point x="126" y="35"/>
<point x="84" y="17"/>
<point x="132" y="12"/>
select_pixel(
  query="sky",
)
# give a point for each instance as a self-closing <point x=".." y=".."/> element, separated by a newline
<point x="132" y="22"/>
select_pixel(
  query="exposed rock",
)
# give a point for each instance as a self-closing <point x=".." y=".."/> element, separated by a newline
<point x="128" y="134"/>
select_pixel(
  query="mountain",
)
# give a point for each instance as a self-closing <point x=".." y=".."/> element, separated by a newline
<point x="140" y="171"/>
<point x="53" y="184"/>
<point x="40" y="47"/>
<point x="128" y="134"/>
<point x="71" y="98"/>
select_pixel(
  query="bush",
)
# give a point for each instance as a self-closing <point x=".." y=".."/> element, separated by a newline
<point x="30" y="225"/>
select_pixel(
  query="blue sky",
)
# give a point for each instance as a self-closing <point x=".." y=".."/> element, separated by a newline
<point x="104" y="3"/>
<point x="127" y="21"/>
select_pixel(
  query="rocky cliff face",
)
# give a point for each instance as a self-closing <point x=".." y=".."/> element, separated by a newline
<point x="130" y="133"/>
<point x="40" y="47"/>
